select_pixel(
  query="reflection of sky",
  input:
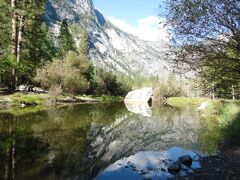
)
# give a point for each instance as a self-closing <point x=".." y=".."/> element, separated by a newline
<point x="147" y="164"/>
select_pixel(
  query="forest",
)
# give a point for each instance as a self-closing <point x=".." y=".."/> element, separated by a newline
<point x="28" y="55"/>
<point x="64" y="116"/>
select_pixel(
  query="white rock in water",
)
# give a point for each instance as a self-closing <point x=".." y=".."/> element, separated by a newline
<point x="38" y="90"/>
<point x="140" y="95"/>
<point x="23" y="105"/>
<point x="202" y="106"/>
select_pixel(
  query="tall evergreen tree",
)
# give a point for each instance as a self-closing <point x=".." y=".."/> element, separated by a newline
<point x="5" y="40"/>
<point x="28" y="42"/>
<point x="34" y="41"/>
<point x="5" y="25"/>
<point x="84" y="43"/>
<point x="65" y="39"/>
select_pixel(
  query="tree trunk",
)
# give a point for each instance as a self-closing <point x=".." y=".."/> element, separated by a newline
<point x="19" y="43"/>
<point x="14" y="41"/>
<point x="20" y="33"/>
<point x="233" y="93"/>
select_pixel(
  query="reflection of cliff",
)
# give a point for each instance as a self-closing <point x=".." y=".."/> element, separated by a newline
<point x="79" y="141"/>
<point x="133" y="133"/>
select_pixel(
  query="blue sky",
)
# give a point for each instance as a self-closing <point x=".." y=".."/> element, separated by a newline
<point x="137" y="17"/>
<point x="130" y="10"/>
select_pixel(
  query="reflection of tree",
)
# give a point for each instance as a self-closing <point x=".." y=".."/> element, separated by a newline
<point x="10" y="153"/>
<point x="166" y="112"/>
<point x="15" y="148"/>
<point x="221" y="123"/>
<point x="106" y="113"/>
<point x="73" y="141"/>
<point x="65" y="130"/>
<point x="210" y="135"/>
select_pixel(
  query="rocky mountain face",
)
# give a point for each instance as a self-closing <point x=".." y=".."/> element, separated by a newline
<point x="110" y="47"/>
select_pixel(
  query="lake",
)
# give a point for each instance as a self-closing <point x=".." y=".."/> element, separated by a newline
<point x="100" y="141"/>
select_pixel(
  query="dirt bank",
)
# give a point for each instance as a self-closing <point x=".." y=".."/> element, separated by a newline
<point x="223" y="166"/>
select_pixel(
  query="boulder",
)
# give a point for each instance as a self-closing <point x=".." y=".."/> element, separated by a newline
<point x="143" y="95"/>
<point x="38" y="90"/>
<point x="185" y="160"/>
<point x="22" y="88"/>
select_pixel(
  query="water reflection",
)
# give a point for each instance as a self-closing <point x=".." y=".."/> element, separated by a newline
<point x="79" y="142"/>
<point x="139" y="108"/>
<point x="147" y="165"/>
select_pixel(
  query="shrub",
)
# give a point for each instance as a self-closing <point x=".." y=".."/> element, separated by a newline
<point x="104" y="82"/>
<point x="164" y="89"/>
<point x="69" y="74"/>
<point x="54" y="92"/>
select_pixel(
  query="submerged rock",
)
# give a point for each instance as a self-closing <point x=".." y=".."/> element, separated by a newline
<point x="174" y="168"/>
<point x="185" y="160"/>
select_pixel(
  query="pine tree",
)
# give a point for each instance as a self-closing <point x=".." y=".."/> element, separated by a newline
<point x="84" y="43"/>
<point x="25" y="40"/>
<point x="65" y="39"/>
<point x="5" y="41"/>
<point x="5" y="25"/>
<point x="35" y="45"/>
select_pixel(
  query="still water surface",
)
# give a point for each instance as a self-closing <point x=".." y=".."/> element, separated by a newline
<point x="99" y="141"/>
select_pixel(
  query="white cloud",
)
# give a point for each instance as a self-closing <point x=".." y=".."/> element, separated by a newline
<point x="149" y="28"/>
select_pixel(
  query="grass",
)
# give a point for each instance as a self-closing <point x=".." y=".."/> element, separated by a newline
<point x="16" y="111"/>
<point x="195" y="102"/>
<point x="31" y="99"/>
<point x="34" y="102"/>
<point x="19" y="98"/>
<point x="185" y="101"/>
<point x="109" y="98"/>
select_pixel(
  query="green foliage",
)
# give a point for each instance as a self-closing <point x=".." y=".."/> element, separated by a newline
<point x="5" y="40"/>
<point x="221" y="120"/>
<point x="223" y="123"/>
<point x="51" y="74"/>
<point x="217" y="77"/>
<point x="29" y="99"/>
<point x="5" y="29"/>
<point x="164" y="89"/>
<point x="35" y="46"/>
<point x="75" y="69"/>
<point x="104" y="82"/>
<point x="69" y="73"/>
<point x="65" y="39"/>
<point x="84" y="43"/>
<point x="206" y="38"/>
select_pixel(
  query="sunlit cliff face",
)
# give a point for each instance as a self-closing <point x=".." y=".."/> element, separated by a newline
<point x="110" y="47"/>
